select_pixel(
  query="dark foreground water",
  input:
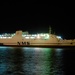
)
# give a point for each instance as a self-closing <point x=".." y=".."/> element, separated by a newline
<point x="36" y="61"/>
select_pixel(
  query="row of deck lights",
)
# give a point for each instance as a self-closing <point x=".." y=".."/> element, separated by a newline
<point x="38" y="36"/>
<point x="6" y="36"/>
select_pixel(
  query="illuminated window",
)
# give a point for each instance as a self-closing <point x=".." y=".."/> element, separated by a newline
<point x="32" y="37"/>
<point x="38" y="36"/>
<point x="46" y="36"/>
<point x="27" y="37"/>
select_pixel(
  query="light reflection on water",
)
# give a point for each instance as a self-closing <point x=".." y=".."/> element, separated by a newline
<point x="31" y="61"/>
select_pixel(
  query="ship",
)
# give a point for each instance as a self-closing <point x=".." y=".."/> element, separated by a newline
<point x="20" y="38"/>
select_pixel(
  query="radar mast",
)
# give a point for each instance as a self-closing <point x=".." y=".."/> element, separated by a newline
<point x="49" y="30"/>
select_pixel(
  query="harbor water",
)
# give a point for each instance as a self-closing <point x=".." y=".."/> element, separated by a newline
<point x="36" y="61"/>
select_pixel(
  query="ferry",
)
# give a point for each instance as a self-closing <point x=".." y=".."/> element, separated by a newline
<point x="25" y="39"/>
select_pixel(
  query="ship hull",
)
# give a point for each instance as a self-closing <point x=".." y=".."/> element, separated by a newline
<point x="40" y="45"/>
<point x="45" y="40"/>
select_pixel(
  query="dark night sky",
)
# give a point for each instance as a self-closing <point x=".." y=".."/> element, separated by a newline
<point x="37" y="17"/>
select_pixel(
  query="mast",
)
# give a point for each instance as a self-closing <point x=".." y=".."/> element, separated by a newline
<point x="49" y="30"/>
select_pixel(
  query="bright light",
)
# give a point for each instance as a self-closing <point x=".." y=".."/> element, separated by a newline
<point x="23" y="35"/>
<point x="32" y="37"/>
<point x="46" y="36"/>
<point x="59" y="37"/>
<point x="5" y="37"/>
<point x="42" y="34"/>
<point x="38" y="36"/>
<point x="0" y="37"/>
<point x="27" y="37"/>
<point x="12" y="34"/>
<point x="9" y="37"/>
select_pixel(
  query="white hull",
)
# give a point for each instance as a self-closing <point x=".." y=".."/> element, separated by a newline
<point x="30" y="43"/>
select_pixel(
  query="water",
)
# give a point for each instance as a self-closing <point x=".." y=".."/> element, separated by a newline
<point x="36" y="61"/>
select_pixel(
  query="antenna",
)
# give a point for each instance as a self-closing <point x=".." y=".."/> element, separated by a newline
<point x="49" y="30"/>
